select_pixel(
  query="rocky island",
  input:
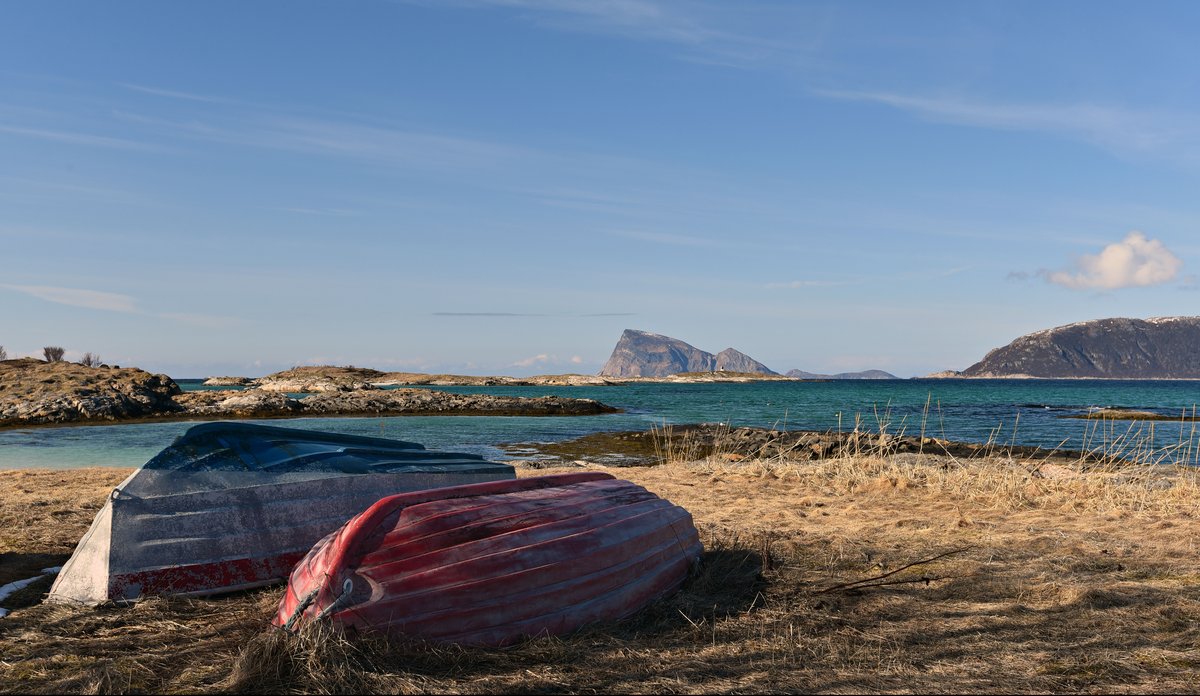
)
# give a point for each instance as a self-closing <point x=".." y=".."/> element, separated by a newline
<point x="36" y="392"/>
<point x="1157" y="348"/>
<point x="328" y="378"/>
<point x="644" y="356"/>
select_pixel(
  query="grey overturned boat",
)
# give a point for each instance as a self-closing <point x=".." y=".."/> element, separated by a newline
<point x="230" y="506"/>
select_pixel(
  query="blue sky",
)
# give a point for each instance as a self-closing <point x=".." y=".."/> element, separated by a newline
<point x="502" y="186"/>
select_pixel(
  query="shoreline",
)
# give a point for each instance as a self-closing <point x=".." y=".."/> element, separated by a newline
<point x="205" y="418"/>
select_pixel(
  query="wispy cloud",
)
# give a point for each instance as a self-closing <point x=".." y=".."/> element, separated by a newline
<point x="703" y="32"/>
<point x="797" y="284"/>
<point x="386" y="144"/>
<point x="76" y="297"/>
<point x="172" y="94"/>
<point x="669" y="238"/>
<point x="338" y="212"/>
<point x="540" y="359"/>
<point x="116" y="302"/>
<point x="1116" y="128"/>
<point x="1132" y="262"/>
<point x="485" y="314"/>
<point x="73" y="138"/>
<point x="635" y="18"/>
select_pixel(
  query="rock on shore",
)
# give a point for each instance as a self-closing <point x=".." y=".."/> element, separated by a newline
<point x="228" y="382"/>
<point x="702" y="441"/>
<point x="425" y="401"/>
<point x="242" y="404"/>
<point x="36" y="392"/>
<point x="33" y="392"/>
<point x="316" y="379"/>
<point x="319" y="379"/>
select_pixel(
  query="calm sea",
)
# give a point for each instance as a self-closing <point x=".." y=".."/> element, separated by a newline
<point x="1024" y="412"/>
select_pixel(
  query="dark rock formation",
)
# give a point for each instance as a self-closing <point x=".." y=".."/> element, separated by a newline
<point x="644" y="354"/>
<point x="865" y="374"/>
<point x="1160" y="348"/>
<point x="33" y="391"/>
<point x="730" y="360"/>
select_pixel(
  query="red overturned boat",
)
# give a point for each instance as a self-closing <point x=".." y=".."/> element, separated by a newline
<point x="493" y="563"/>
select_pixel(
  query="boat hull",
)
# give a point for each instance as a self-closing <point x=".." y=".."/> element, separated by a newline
<point x="491" y="564"/>
<point x="229" y="508"/>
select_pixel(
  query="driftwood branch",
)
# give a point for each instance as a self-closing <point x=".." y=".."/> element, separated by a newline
<point x="872" y="581"/>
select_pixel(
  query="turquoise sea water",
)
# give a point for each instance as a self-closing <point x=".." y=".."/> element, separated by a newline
<point x="1024" y="412"/>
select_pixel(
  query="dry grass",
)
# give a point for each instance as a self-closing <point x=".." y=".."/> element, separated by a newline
<point x="1065" y="575"/>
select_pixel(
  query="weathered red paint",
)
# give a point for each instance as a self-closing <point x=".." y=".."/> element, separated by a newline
<point x="489" y="563"/>
<point x="202" y="578"/>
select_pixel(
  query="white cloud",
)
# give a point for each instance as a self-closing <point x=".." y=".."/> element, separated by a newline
<point x="1134" y="261"/>
<point x="115" y="302"/>
<point x="539" y="359"/>
<point x="89" y="299"/>
<point x="576" y="360"/>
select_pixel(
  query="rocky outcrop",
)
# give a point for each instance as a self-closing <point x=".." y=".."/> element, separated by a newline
<point x="645" y="354"/>
<point x="1159" y="348"/>
<point x="570" y="380"/>
<point x="33" y="392"/>
<point x="228" y="382"/>
<point x="731" y="445"/>
<point x="429" y="402"/>
<point x="319" y="379"/>
<point x="865" y="374"/>
<point x="420" y="379"/>
<point x="730" y="360"/>
<point x="247" y="403"/>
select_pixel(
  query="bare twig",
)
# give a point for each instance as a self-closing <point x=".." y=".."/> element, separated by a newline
<point x="852" y="585"/>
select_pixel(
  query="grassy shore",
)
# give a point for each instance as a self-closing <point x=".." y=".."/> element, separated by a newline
<point x="1024" y="574"/>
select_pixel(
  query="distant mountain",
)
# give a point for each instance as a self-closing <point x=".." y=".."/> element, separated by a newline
<point x="730" y="360"/>
<point x="1158" y="348"/>
<point x="865" y="374"/>
<point x="645" y="354"/>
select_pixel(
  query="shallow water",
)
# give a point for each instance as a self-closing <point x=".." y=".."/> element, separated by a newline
<point x="1023" y="412"/>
